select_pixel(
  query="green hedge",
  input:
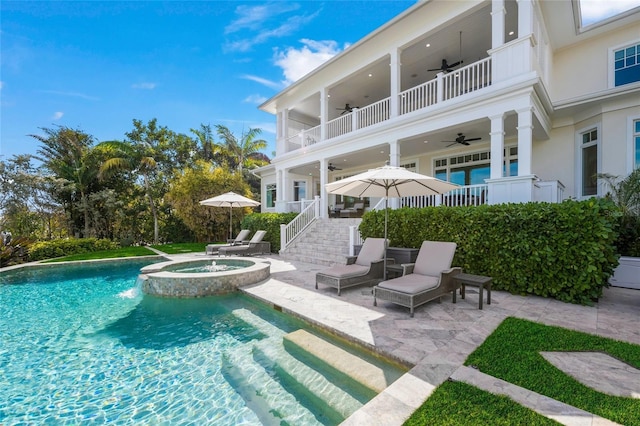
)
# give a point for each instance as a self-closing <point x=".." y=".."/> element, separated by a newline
<point x="564" y="250"/>
<point x="269" y="222"/>
<point x="58" y="248"/>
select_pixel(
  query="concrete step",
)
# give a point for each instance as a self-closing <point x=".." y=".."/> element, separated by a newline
<point x="270" y="353"/>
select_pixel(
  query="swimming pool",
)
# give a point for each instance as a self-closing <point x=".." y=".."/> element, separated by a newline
<point x="80" y="343"/>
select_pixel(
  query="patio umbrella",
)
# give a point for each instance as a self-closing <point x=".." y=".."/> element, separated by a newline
<point x="231" y="200"/>
<point x="389" y="181"/>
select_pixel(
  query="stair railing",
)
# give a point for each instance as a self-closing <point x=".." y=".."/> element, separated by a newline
<point x="291" y="230"/>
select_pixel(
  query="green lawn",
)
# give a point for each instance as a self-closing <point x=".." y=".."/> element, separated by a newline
<point x="106" y="254"/>
<point x="181" y="248"/>
<point x="512" y="353"/>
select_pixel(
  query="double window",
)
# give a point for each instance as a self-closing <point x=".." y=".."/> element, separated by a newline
<point x="626" y="65"/>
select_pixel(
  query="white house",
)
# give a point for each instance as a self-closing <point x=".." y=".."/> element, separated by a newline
<point x="514" y="99"/>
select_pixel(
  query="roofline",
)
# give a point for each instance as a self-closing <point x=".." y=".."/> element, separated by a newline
<point x="301" y="80"/>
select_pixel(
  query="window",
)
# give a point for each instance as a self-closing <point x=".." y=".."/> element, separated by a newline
<point x="271" y="195"/>
<point x="636" y="144"/>
<point x="474" y="168"/>
<point x="589" y="162"/>
<point x="626" y="65"/>
<point x="299" y="190"/>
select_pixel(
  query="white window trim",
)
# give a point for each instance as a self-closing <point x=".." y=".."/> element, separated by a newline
<point x="611" y="61"/>
<point x="631" y="143"/>
<point x="578" y="144"/>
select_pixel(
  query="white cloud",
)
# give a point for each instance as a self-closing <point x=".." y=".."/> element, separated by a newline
<point x="255" y="99"/>
<point x="71" y="94"/>
<point x="296" y="63"/>
<point x="598" y="10"/>
<point x="144" y="86"/>
<point x="264" y="22"/>
<point x="252" y="17"/>
<point x="57" y="115"/>
<point x="268" y="83"/>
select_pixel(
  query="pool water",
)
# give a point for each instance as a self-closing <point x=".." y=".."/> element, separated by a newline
<point x="81" y="343"/>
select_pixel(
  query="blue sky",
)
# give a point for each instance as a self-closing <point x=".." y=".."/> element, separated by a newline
<point x="98" y="65"/>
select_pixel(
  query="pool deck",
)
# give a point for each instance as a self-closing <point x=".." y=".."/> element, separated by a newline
<point x="439" y="338"/>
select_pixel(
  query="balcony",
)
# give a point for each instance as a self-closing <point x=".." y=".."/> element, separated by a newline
<point x="444" y="87"/>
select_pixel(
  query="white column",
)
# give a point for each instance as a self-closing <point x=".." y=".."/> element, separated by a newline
<point x="324" y="112"/>
<point x="525" y="17"/>
<point x="395" y="82"/>
<point x="279" y="191"/>
<point x="498" y="13"/>
<point x="525" y="141"/>
<point x="497" y="145"/>
<point x="324" y="196"/>
<point x="285" y="129"/>
<point x="394" y="153"/>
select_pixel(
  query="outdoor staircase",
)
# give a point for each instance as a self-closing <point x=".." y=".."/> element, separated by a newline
<point x="263" y="371"/>
<point x="324" y="242"/>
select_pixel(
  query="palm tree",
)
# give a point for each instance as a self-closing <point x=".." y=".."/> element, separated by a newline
<point x="68" y="154"/>
<point x="210" y="150"/>
<point x="246" y="151"/>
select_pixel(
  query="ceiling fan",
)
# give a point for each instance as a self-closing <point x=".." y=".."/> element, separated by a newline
<point x="347" y="109"/>
<point x="332" y="168"/>
<point x="445" y="67"/>
<point x="462" y="140"/>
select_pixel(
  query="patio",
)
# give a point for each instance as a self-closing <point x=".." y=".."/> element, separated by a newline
<point x="441" y="336"/>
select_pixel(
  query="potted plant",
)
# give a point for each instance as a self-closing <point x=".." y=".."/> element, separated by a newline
<point x="625" y="193"/>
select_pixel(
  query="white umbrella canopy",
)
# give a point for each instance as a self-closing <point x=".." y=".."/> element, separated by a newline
<point x="231" y="200"/>
<point x="389" y="181"/>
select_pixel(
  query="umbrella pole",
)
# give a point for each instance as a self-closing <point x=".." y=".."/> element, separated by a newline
<point x="386" y="213"/>
<point x="231" y="222"/>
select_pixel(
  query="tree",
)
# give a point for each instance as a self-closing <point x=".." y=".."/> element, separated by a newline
<point x="243" y="153"/>
<point x="204" y="181"/>
<point x="145" y="155"/>
<point x="67" y="154"/>
<point x="208" y="149"/>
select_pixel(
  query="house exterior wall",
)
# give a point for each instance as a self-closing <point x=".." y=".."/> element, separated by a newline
<point x="589" y="60"/>
<point x="539" y="100"/>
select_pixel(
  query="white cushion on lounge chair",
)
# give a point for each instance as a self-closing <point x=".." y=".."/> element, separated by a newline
<point x="346" y="271"/>
<point x="411" y="283"/>
<point x="434" y="257"/>
<point x="371" y="251"/>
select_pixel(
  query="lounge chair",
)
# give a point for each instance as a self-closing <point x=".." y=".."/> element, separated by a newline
<point x="430" y="277"/>
<point x="355" y="211"/>
<point x="241" y="238"/>
<point x="254" y="246"/>
<point x="367" y="267"/>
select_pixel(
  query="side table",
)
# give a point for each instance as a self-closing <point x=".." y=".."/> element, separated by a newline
<point x="394" y="270"/>
<point x="479" y="281"/>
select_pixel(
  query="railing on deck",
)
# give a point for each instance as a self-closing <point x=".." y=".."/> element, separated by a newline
<point x="464" y="80"/>
<point x="467" y="79"/>
<point x="290" y="231"/>
<point x="339" y="126"/>
<point x="373" y="114"/>
<point x="470" y="195"/>
<point x="418" y="97"/>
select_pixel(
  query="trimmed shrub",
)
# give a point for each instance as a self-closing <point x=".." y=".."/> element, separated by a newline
<point x="58" y="248"/>
<point x="269" y="222"/>
<point x="563" y="250"/>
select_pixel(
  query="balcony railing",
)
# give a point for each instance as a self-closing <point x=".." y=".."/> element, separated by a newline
<point x="444" y="87"/>
<point x="469" y="195"/>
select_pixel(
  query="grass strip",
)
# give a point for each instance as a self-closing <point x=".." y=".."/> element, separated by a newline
<point x="179" y="248"/>
<point x="105" y="254"/>
<point x="458" y="403"/>
<point x="512" y="353"/>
